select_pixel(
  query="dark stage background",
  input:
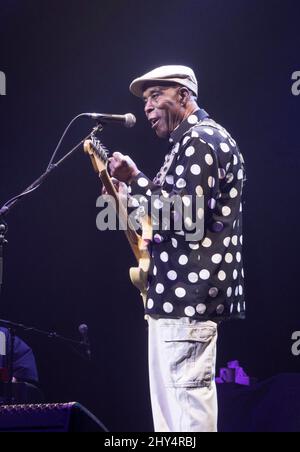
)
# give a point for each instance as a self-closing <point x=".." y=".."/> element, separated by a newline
<point x="70" y="56"/>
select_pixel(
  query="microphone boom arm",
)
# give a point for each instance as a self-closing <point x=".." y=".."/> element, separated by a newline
<point x="5" y="209"/>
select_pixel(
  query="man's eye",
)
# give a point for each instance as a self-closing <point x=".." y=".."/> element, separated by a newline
<point x="153" y="96"/>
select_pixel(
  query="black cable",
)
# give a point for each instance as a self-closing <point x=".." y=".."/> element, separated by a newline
<point x="62" y="138"/>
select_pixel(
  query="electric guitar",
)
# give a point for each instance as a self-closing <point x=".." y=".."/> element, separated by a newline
<point x="138" y="243"/>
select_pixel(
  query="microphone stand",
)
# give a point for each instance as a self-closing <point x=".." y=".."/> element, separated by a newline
<point x="3" y="231"/>
<point x="4" y="211"/>
<point x="13" y="327"/>
<point x="50" y="334"/>
<point x="7" y="207"/>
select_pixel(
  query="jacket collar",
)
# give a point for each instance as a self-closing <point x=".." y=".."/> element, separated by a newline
<point x="189" y="122"/>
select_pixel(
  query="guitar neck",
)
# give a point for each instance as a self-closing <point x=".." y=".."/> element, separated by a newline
<point x="132" y="236"/>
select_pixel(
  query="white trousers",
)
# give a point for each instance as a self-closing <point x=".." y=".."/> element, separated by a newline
<point x="182" y="362"/>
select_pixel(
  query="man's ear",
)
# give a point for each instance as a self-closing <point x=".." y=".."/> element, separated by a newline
<point x="184" y="95"/>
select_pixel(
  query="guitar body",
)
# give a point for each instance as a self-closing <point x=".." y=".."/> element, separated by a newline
<point x="138" y="243"/>
<point x="139" y="275"/>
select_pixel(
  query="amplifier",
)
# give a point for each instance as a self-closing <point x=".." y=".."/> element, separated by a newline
<point x="55" y="417"/>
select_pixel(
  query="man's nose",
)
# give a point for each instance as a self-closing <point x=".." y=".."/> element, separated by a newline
<point x="148" y="107"/>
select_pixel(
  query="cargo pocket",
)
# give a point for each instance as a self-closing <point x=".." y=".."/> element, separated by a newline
<point x="190" y="354"/>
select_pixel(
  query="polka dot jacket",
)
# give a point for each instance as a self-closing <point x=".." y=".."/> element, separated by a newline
<point x="201" y="279"/>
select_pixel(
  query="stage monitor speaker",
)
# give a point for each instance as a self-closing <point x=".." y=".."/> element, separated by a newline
<point x="58" y="417"/>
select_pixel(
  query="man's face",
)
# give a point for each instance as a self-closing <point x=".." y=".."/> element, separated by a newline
<point x="163" y="109"/>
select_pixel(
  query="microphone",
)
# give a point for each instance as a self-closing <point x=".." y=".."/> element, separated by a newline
<point x="83" y="330"/>
<point x="128" y="120"/>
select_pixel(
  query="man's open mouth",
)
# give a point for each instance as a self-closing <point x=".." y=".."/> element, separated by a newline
<point x="154" y="122"/>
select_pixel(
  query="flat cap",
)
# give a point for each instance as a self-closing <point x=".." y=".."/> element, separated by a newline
<point x="182" y="75"/>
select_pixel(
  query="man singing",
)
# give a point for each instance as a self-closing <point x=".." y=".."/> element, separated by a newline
<point x="194" y="282"/>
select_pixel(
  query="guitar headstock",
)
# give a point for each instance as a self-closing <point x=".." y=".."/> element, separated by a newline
<point x="98" y="153"/>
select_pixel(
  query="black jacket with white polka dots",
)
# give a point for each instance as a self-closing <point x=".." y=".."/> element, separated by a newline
<point x="197" y="276"/>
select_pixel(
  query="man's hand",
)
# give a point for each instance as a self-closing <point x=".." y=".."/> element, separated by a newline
<point x="122" y="167"/>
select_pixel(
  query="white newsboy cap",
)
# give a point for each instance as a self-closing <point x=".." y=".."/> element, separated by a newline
<point x="182" y="75"/>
